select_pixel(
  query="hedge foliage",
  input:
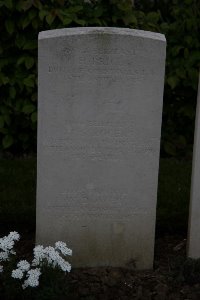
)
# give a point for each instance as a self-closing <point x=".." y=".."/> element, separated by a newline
<point x="20" y="22"/>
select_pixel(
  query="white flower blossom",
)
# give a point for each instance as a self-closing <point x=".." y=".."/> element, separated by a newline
<point x="4" y="256"/>
<point x="13" y="235"/>
<point x="6" y="245"/>
<point x="39" y="255"/>
<point x="63" y="248"/>
<point x="33" y="278"/>
<point x="53" y="256"/>
<point x="23" y="265"/>
<point x="7" y="242"/>
<point x="64" y="265"/>
<point x="18" y="274"/>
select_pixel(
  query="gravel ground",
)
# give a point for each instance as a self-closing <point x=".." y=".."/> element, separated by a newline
<point x="166" y="281"/>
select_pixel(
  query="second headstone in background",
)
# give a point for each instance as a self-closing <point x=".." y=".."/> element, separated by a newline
<point x="194" y="217"/>
<point x="100" y="111"/>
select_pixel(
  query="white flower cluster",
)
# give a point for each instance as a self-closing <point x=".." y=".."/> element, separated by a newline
<point x="32" y="275"/>
<point x="50" y="255"/>
<point x="33" y="278"/>
<point x="6" y="246"/>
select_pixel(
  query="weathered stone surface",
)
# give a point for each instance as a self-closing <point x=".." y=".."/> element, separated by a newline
<point x="194" y="217"/>
<point x="100" y="108"/>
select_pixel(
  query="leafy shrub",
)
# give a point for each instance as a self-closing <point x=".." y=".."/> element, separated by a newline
<point x="182" y="26"/>
<point x="22" y="20"/>
<point x="185" y="270"/>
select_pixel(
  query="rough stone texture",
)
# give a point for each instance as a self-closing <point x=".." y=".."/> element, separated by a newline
<point x="100" y="108"/>
<point x="194" y="217"/>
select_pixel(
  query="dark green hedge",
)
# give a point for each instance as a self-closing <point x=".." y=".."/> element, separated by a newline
<point x="20" y="22"/>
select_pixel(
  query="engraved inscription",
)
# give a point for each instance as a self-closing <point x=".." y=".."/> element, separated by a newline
<point x="101" y="141"/>
<point x="96" y="202"/>
<point x="99" y="70"/>
<point x="100" y="62"/>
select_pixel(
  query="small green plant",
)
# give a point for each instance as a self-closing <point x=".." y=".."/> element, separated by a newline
<point x="43" y="278"/>
<point x="191" y="271"/>
<point x="186" y="270"/>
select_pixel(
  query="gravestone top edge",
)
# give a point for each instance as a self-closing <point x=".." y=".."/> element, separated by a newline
<point x="55" y="33"/>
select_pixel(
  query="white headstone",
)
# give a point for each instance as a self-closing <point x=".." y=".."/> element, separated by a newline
<point x="194" y="217"/>
<point x="100" y="109"/>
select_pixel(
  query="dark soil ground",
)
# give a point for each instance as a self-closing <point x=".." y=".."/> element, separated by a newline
<point x="173" y="277"/>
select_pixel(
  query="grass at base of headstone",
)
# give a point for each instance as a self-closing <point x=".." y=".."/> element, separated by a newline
<point x="173" y="196"/>
<point x="18" y="195"/>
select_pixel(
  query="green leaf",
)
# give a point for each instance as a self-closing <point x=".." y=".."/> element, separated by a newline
<point x="1" y="122"/>
<point x="4" y="110"/>
<point x="170" y="148"/>
<point x="30" y="45"/>
<point x="20" y="60"/>
<point x="7" y="119"/>
<point x="175" y="50"/>
<point x="34" y="97"/>
<point x="27" y="4"/>
<point x="25" y="22"/>
<point x="123" y="6"/>
<point x="8" y="4"/>
<point x="29" y="81"/>
<point x="9" y="26"/>
<point x="95" y="21"/>
<point x="172" y="81"/>
<point x="38" y="4"/>
<point x="42" y="14"/>
<point x="35" y="23"/>
<point x="4" y="130"/>
<point x="80" y="22"/>
<point x="131" y="19"/>
<point x="153" y="17"/>
<point x="7" y="141"/>
<point x="50" y="18"/>
<point x="189" y="40"/>
<point x="28" y="108"/>
<point x="34" y="117"/>
<point x="193" y="74"/>
<point x="3" y="79"/>
<point x="61" y="2"/>
<point x="20" y="41"/>
<point x="66" y="21"/>
<point x="29" y="62"/>
<point x="32" y="14"/>
<point x="12" y="92"/>
<point x="186" y="53"/>
<point x="4" y="62"/>
<point x="75" y="9"/>
<point x="164" y="27"/>
<point x="98" y="12"/>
